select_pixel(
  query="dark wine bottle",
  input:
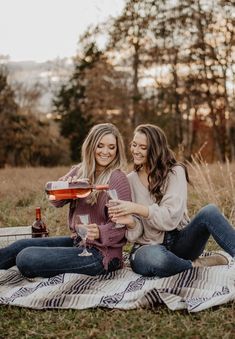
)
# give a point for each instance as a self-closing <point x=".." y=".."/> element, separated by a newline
<point x="39" y="228"/>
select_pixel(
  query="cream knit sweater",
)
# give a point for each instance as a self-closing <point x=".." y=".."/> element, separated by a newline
<point x="169" y="214"/>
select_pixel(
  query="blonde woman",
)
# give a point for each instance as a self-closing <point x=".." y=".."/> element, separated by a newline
<point x="103" y="161"/>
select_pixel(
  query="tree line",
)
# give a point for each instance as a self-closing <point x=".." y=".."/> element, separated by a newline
<point x="25" y="139"/>
<point x="165" y="62"/>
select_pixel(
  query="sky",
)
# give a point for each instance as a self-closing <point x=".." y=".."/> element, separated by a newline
<point x="42" y="30"/>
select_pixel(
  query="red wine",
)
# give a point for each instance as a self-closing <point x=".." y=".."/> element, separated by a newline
<point x="61" y="190"/>
<point x="39" y="228"/>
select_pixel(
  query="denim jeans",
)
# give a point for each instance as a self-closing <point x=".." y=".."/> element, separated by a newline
<point x="47" y="257"/>
<point x="180" y="248"/>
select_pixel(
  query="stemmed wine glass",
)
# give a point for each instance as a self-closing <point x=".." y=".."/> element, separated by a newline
<point x="114" y="196"/>
<point x="82" y="219"/>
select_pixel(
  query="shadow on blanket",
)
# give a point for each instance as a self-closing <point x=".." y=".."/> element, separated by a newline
<point x="195" y="289"/>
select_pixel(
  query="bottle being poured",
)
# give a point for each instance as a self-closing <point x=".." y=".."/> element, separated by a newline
<point x="63" y="190"/>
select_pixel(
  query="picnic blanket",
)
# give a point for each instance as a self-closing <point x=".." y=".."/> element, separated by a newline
<point x="195" y="289"/>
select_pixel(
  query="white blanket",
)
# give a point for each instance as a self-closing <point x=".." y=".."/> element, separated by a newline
<point x="195" y="290"/>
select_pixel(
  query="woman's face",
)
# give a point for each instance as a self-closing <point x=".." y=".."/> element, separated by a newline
<point x="106" y="151"/>
<point x="139" y="149"/>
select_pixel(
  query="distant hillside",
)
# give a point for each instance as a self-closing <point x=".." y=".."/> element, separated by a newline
<point x="50" y="75"/>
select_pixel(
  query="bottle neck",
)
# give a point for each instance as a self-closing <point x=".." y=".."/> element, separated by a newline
<point x="38" y="213"/>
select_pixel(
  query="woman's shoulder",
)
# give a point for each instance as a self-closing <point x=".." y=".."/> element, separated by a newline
<point x="118" y="173"/>
<point x="132" y="175"/>
<point x="118" y="179"/>
<point x="178" y="170"/>
<point x="76" y="166"/>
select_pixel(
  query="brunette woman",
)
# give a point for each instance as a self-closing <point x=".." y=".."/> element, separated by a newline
<point x="165" y="241"/>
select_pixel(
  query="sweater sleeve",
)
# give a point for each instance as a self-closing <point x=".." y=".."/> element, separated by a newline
<point x="132" y="234"/>
<point x="167" y="215"/>
<point x="109" y="235"/>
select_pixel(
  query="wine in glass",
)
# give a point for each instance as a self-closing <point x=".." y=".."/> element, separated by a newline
<point x="114" y="196"/>
<point x="80" y="227"/>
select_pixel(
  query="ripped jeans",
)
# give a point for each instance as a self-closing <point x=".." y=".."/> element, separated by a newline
<point x="180" y="248"/>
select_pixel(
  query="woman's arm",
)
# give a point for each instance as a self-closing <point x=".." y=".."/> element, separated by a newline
<point x="67" y="177"/>
<point x="128" y="207"/>
<point x="108" y="234"/>
<point x="133" y="233"/>
<point x="166" y="215"/>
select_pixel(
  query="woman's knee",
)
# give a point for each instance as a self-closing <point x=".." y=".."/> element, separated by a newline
<point x="209" y="209"/>
<point x="151" y="261"/>
<point x="25" y="262"/>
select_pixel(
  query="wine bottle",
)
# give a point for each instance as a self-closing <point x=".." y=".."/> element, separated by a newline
<point x="61" y="190"/>
<point x="39" y="228"/>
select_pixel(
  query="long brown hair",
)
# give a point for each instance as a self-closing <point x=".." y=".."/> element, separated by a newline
<point x="160" y="160"/>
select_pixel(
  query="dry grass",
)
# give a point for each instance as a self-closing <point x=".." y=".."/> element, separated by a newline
<point x="212" y="184"/>
<point x="21" y="190"/>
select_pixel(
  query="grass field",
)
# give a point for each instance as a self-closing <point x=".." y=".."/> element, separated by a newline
<point x="21" y="190"/>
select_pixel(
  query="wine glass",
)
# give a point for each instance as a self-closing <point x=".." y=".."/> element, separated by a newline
<point x="112" y="193"/>
<point x="82" y="219"/>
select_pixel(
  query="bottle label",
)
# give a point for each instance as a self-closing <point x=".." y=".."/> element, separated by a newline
<point x="59" y="185"/>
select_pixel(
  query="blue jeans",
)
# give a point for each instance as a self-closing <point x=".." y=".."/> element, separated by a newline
<point x="180" y="248"/>
<point x="47" y="257"/>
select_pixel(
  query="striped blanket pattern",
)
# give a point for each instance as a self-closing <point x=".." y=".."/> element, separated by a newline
<point x="195" y="290"/>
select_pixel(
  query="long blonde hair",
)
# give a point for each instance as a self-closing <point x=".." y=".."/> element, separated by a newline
<point x="87" y="167"/>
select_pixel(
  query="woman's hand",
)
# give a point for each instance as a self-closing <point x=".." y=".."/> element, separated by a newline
<point x="127" y="220"/>
<point x="76" y="179"/>
<point x="93" y="232"/>
<point x="73" y="235"/>
<point x="118" y="208"/>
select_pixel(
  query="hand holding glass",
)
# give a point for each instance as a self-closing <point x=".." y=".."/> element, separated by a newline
<point x="114" y="196"/>
<point x="82" y="231"/>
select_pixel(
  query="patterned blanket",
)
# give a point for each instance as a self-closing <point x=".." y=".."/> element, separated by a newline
<point x="195" y="290"/>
